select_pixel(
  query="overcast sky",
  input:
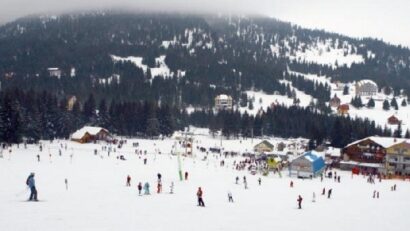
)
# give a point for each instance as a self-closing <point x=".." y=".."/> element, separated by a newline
<point x="386" y="19"/>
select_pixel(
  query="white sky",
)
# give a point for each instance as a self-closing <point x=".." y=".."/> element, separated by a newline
<point x="386" y="19"/>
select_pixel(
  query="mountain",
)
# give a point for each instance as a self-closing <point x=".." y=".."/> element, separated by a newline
<point x="183" y="62"/>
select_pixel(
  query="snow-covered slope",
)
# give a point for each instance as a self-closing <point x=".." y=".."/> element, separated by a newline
<point x="97" y="198"/>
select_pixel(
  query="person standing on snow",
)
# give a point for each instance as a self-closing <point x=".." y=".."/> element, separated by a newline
<point x="230" y="198"/>
<point x="291" y="184"/>
<point x="329" y="193"/>
<point x="299" y="200"/>
<point x="171" y="188"/>
<point x="146" y="188"/>
<point x="128" y="181"/>
<point x="186" y="175"/>
<point x="199" y="195"/>
<point x="139" y="188"/>
<point x="259" y="181"/>
<point x="32" y="185"/>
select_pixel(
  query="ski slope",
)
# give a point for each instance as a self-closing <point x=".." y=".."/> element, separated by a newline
<point x="97" y="198"/>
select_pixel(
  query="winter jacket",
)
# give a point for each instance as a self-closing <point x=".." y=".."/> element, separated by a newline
<point x="31" y="182"/>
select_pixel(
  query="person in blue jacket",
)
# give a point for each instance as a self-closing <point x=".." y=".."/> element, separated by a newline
<point x="31" y="183"/>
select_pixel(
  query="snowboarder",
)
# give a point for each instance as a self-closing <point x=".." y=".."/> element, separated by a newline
<point x="299" y="200"/>
<point x="30" y="182"/>
<point x="259" y="181"/>
<point x="291" y="184"/>
<point x="171" y="188"/>
<point x="199" y="195"/>
<point x="146" y="188"/>
<point x="128" y="181"/>
<point x="139" y="188"/>
<point x="230" y="198"/>
<point x="329" y="193"/>
<point x="186" y="175"/>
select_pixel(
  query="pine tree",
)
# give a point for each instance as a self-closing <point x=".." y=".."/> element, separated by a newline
<point x="345" y="90"/>
<point x="407" y="135"/>
<point x="398" y="131"/>
<point x="386" y="105"/>
<point x="394" y="104"/>
<point x="371" y="103"/>
<point x="10" y="120"/>
<point x="404" y="103"/>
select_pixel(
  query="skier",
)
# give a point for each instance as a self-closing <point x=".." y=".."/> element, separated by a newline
<point x="128" y="181"/>
<point x="291" y="184"/>
<point x="374" y="194"/>
<point x="230" y="198"/>
<point x="259" y="181"/>
<point x="314" y="197"/>
<point x="394" y="187"/>
<point x="146" y="188"/>
<point x="323" y="191"/>
<point x="245" y="182"/>
<point x="171" y="188"/>
<point x="159" y="176"/>
<point x="66" y="183"/>
<point x="145" y="161"/>
<point x="199" y="195"/>
<point x="299" y="200"/>
<point x="338" y="179"/>
<point x="329" y="193"/>
<point x="186" y="175"/>
<point x="237" y="180"/>
<point x="139" y="188"/>
<point x="30" y="182"/>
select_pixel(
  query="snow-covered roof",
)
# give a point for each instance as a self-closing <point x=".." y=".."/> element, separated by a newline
<point x="333" y="152"/>
<point x="382" y="141"/>
<point x="87" y="129"/>
<point x="223" y="97"/>
<point x="365" y="81"/>
<point x="53" y="68"/>
<point x="362" y="164"/>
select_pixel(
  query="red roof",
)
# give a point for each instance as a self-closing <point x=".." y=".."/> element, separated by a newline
<point x="343" y="107"/>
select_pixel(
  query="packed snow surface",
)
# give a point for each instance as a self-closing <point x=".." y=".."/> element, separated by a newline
<point x="97" y="198"/>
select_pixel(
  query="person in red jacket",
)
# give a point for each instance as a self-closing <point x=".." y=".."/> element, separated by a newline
<point x="199" y="195"/>
<point x="300" y="202"/>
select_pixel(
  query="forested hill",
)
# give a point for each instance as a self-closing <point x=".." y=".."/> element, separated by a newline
<point x="150" y="74"/>
<point x="195" y="56"/>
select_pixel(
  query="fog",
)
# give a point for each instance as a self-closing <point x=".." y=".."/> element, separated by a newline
<point x="384" y="19"/>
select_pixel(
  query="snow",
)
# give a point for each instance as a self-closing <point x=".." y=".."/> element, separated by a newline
<point x="162" y="69"/>
<point x="320" y="52"/>
<point x="97" y="198"/>
<point x="137" y="61"/>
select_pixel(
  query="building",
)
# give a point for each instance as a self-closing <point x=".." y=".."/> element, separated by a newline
<point x="335" y="101"/>
<point x="393" y="120"/>
<point x="264" y="146"/>
<point x="367" y="154"/>
<point x="89" y="134"/>
<point x="310" y="164"/>
<point x="223" y="102"/>
<point x="398" y="159"/>
<point x="366" y="87"/>
<point x="54" y="72"/>
<point x="343" y="109"/>
<point x="70" y="103"/>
